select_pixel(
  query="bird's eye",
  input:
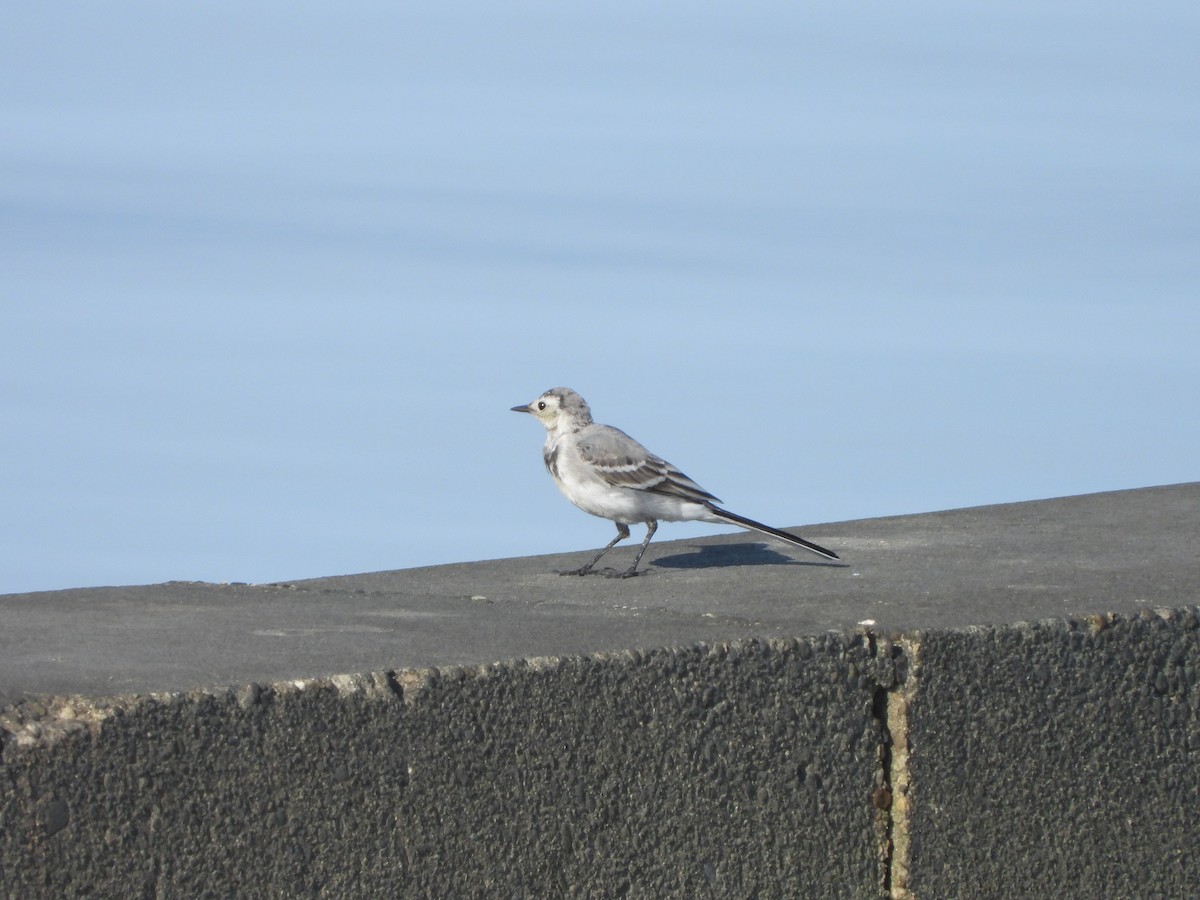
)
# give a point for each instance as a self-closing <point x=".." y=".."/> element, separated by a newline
<point x="541" y="404"/>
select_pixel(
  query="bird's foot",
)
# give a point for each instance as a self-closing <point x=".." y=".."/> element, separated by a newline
<point x="628" y="573"/>
<point x="607" y="573"/>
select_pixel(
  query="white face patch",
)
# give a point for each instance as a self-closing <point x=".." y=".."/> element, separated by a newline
<point x="545" y="408"/>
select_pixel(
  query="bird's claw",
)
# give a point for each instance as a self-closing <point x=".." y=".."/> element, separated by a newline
<point x="607" y="573"/>
<point x="628" y="573"/>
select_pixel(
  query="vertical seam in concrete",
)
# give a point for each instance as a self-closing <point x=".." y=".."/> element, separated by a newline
<point x="899" y="696"/>
<point x="896" y="662"/>
<point x="881" y="796"/>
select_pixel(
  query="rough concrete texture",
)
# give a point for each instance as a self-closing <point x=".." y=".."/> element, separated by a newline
<point x="779" y="750"/>
<point x="1060" y="758"/>
<point x="711" y="771"/>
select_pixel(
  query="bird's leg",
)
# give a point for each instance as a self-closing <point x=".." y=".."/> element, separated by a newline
<point x="651" y="527"/>
<point x="622" y="533"/>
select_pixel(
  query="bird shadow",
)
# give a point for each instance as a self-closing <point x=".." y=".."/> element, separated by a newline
<point x="724" y="555"/>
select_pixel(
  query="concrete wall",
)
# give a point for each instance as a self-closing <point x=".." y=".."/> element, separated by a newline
<point x="1058" y="759"/>
<point x="1055" y="759"/>
<point x="734" y="771"/>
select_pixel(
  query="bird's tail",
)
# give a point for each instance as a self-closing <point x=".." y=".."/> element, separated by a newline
<point x="726" y="516"/>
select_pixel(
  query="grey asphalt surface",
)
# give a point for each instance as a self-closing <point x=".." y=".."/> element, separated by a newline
<point x="1117" y="551"/>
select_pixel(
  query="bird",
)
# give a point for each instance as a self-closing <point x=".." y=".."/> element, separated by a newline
<point x="608" y="474"/>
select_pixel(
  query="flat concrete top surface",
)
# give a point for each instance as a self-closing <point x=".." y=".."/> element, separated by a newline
<point x="1120" y="551"/>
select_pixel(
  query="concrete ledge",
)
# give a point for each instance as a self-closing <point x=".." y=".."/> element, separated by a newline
<point x="778" y="749"/>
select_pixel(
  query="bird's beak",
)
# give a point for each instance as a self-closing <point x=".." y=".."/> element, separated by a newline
<point x="524" y="407"/>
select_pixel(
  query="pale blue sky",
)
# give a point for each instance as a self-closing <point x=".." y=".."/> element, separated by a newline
<point x="274" y="273"/>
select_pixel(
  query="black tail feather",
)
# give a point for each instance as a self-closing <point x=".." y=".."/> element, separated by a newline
<point x="735" y="519"/>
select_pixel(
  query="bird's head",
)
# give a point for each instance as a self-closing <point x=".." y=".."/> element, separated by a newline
<point x="559" y="409"/>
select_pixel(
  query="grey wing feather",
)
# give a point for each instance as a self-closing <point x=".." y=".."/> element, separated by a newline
<point x="623" y="462"/>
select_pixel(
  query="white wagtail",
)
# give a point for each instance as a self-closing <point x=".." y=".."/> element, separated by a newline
<point x="605" y="472"/>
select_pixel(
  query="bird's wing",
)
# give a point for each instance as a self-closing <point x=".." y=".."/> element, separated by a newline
<point x="621" y="461"/>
